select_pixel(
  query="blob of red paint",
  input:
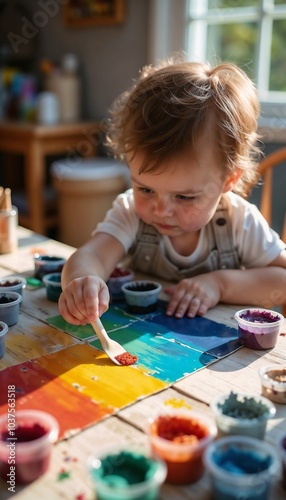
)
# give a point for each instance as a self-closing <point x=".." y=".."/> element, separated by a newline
<point x="126" y="359"/>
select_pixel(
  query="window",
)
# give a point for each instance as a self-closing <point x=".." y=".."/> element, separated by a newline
<point x="250" y="33"/>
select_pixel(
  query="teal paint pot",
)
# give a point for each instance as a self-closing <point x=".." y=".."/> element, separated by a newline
<point x="242" y="414"/>
<point x="53" y="286"/>
<point x="126" y="475"/>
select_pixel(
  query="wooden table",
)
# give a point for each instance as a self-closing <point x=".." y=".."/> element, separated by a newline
<point x="32" y="338"/>
<point x="35" y="142"/>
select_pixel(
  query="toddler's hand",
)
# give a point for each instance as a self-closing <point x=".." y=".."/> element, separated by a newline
<point x="193" y="296"/>
<point x="84" y="300"/>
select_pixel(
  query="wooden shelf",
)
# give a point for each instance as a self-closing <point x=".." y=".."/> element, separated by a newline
<point x="35" y="143"/>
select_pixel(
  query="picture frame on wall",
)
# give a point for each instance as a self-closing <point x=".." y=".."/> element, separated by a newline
<point x="85" y="13"/>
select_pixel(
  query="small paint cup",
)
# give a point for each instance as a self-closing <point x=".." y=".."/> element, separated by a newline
<point x="282" y="450"/>
<point x="46" y="264"/>
<point x="180" y="439"/>
<point x="119" y="277"/>
<point x="3" y="331"/>
<point x="273" y="383"/>
<point x="13" y="284"/>
<point x="258" y="328"/>
<point x="142" y="296"/>
<point x="53" y="286"/>
<point x="25" y="444"/>
<point x="241" y="467"/>
<point x="126" y="474"/>
<point x="242" y="414"/>
<point x="9" y="307"/>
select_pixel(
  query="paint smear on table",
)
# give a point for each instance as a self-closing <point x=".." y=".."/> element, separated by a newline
<point x="80" y="385"/>
<point x="168" y="349"/>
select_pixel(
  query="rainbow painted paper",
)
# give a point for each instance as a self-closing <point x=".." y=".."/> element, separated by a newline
<point x="80" y="385"/>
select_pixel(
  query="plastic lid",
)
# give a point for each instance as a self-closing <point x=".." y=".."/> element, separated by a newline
<point x="88" y="169"/>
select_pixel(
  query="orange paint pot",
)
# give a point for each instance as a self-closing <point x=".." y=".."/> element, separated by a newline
<point x="180" y="439"/>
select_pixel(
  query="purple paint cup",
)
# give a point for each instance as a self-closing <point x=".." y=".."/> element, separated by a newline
<point x="258" y="328"/>
<point x="118" y="278"/>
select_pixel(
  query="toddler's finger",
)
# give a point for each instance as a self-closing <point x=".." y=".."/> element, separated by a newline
<point x="104" y="299"/>
<point x="194" y="307"/>
<point x="66" y="312"/>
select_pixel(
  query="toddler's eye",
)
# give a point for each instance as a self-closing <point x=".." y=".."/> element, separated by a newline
<point x="185" y="198"/>
<point x="145" y="190"/>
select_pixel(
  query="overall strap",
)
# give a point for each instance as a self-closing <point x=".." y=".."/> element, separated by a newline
<point x="222" y="232"/>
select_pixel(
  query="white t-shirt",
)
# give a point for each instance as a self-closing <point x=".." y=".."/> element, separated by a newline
<point x="257" y="244"/>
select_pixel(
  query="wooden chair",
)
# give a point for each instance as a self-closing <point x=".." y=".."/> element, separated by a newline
<point x="266" y="170"/>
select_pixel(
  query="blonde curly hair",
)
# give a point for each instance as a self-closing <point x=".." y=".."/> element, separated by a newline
<point x="167" y="108"/>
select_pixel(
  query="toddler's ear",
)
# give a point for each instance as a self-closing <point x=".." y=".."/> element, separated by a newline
<point x="231" y="180"/>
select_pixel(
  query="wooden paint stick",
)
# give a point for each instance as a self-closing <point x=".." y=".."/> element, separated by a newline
<point x="1" y="196"/>
<point x="8" y="224"/>
<point x="7" y="201"/>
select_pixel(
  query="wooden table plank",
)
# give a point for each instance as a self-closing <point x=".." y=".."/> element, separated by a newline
<point x="30" y="339"/>
<point x="22" y="261"/>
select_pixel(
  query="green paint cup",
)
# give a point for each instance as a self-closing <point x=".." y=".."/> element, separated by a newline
<point x="126" y="475"/>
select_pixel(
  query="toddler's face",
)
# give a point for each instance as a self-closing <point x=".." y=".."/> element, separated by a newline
<point x="183" y="196"/>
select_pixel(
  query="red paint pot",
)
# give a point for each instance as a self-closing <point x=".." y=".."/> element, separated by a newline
<point x="26" y="437"/>
<point x="180" y="439"/>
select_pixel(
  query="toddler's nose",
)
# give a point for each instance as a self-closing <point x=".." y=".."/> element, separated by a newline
<point x="162" y="207"/>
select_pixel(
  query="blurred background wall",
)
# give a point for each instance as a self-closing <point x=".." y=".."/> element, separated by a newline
<point x="109" y="56"/>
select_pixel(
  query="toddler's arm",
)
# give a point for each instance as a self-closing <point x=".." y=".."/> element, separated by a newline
<point x="85" y="295"/>
<point x="265" y="287"/>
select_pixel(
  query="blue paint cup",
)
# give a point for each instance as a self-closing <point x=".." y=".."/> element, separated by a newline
<point x="142" y="296"/>
<point x="3" y="332"/>
<point x="53" y="286"/>
<point x="9" y="307"/>
<point x="242" y="467"/>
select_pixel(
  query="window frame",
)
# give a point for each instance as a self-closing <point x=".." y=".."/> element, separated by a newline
<point x="169" y="34"/>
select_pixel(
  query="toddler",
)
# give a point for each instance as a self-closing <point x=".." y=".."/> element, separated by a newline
<point x="188" y="134"/>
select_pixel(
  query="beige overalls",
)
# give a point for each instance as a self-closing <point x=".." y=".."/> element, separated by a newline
<point x="147" y="257"/>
